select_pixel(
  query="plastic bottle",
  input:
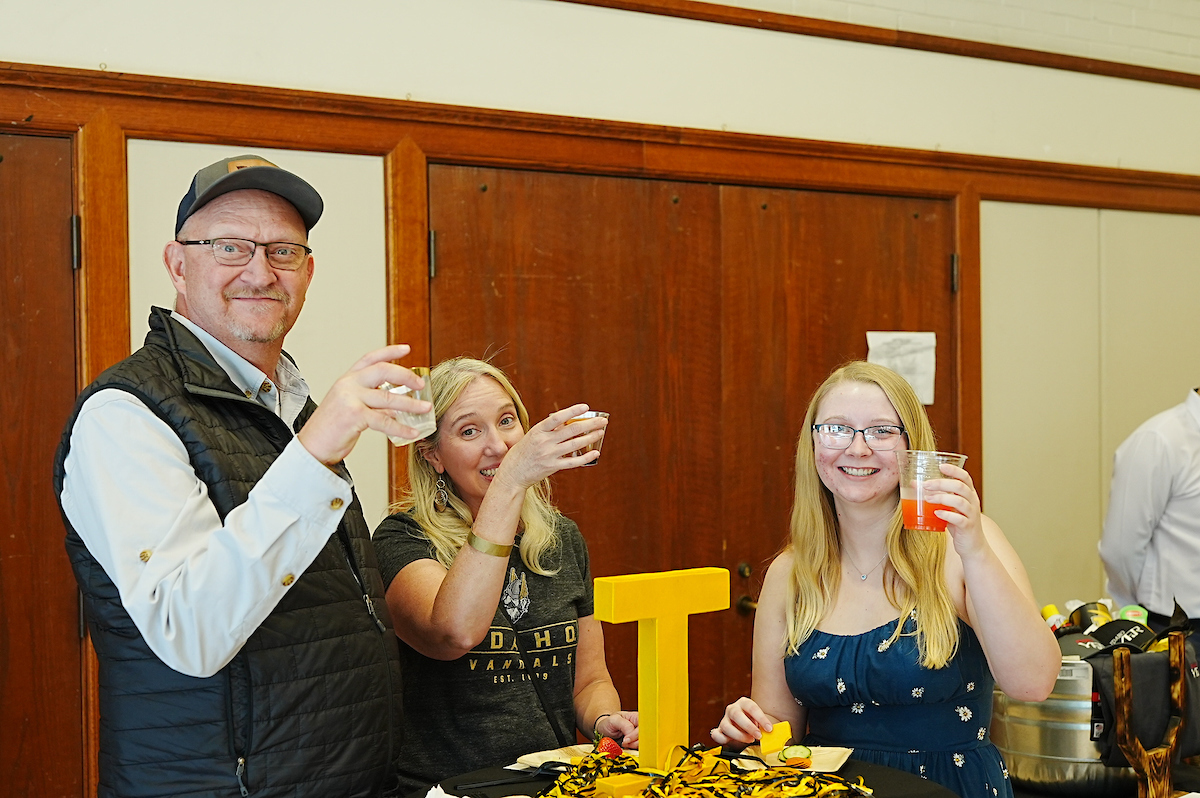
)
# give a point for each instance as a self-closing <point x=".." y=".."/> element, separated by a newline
<point x="1054" y="619"/>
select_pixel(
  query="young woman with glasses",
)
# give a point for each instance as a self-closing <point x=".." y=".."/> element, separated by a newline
<point x="880" y="638"/>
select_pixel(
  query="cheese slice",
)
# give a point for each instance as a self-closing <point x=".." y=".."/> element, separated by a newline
<point x="776" y="738"/>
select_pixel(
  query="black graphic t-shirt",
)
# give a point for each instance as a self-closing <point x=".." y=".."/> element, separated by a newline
<point x="482" y="709"/>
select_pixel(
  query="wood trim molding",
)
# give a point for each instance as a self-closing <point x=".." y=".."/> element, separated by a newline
<point x="888" y="37"/>
<point x="54" y="99"/>
<point x="969" y="328"/>
<point x="91" y="718"/>
<point x="406" y="208"/>
<point x="102" y="323"/>
<point x="103" y="283"/>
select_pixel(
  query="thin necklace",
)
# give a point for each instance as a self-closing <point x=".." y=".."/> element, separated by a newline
<point x="861" y="575"/>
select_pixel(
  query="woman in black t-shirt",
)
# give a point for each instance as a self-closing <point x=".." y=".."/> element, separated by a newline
<point x="489" y="587"/>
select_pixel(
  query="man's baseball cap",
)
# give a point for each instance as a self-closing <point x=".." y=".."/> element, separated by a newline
<point x="249" y="171"/>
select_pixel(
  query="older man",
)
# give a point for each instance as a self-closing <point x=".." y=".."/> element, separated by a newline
<point x="232" y="593"/>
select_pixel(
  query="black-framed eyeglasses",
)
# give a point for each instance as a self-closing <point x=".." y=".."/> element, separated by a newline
<point x="240" y="251"/>
<point x="881" y="438"/>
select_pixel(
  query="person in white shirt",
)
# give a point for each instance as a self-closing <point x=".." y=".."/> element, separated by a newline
<point x="232" y="593"/>
<point x="1151" y="542"/>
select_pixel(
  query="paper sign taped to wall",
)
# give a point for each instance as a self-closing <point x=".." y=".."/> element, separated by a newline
<point x="909" y="354"/>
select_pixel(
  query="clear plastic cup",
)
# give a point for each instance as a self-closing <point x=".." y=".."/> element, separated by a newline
<point x="423" y="423"/>
<point x="594" y="446"/>
<point x="915" y="468"/>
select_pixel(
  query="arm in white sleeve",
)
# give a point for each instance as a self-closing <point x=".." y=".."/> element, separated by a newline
<point x="1141" y="488"/>
<point x="195" y="588"/>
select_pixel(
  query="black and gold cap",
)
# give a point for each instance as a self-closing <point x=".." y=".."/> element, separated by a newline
<point x="249" y="171"/>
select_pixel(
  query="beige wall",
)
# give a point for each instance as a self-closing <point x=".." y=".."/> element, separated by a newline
<point x="1158" y="34"/>
<point x="1041" y="378"/>
<point x="1149" y="331"/>
<point x="577" y="60"/>
<point x="1087" y="332"/>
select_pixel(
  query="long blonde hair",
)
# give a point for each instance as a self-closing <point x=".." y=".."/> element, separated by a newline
<point x="913" y="578"/>
<point x="447" y="529"/>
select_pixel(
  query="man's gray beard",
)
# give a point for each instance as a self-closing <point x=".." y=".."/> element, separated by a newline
<point x="248" y="334"/>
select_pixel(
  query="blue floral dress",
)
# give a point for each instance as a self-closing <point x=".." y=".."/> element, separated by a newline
<point x="863" y="693"/>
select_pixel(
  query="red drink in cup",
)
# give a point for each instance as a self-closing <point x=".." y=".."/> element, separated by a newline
<point x="919" y="515"/>
<point x="916" y="467"/>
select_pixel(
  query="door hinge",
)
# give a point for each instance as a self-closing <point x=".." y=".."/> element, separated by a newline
<point x="76" y="243"/>
<point x="954" y="273"/>
<point x="432" y="254"/>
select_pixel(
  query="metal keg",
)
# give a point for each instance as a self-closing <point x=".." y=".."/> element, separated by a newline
<point x="1047" y="744"/>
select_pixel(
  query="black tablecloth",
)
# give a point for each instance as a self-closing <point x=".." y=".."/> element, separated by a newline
<point x="886" y="782"/>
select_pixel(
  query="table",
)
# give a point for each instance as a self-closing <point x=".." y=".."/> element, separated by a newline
<point x="886" y="782"/>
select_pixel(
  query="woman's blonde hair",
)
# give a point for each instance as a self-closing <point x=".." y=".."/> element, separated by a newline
<point x="913" y="577"/>
<point x="447" y="529"/>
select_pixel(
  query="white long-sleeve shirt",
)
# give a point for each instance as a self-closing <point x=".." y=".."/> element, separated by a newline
<point x="1151" y="542"/>
<point x="196" y="588"/>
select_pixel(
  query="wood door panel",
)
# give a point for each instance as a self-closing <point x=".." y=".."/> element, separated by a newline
<point x="600" y="290"/>
<point x="41" y="697"/>
<point x="878" y="263"/>
<point x="762" y="406"/>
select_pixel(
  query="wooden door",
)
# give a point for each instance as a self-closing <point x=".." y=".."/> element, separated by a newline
<point x="41" y="704"/>
<point x="805" y="275"/>
<point x="701" y="317"/>
<point x="600" y="290"/>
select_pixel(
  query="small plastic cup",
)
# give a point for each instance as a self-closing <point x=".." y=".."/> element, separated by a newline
<point x="423" y="423"/>
<point x="596" y="446"/>
<point x="916" y="467"/>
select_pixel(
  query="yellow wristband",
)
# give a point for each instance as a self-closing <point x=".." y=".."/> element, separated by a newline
<point x="487" y="546"/>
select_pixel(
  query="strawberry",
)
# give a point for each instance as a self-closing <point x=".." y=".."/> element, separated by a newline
<point x="609" y="747"/>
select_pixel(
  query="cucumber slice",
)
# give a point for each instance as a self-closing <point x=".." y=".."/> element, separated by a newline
<point x="792" y="751"/>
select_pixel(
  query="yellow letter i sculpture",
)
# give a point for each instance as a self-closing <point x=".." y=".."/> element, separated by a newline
<point x="661" y="604"/>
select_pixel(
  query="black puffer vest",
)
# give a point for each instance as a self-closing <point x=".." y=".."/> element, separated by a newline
<point x="310" y="706"/>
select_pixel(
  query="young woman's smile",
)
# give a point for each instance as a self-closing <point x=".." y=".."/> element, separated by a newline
<point x="858" y="474"/>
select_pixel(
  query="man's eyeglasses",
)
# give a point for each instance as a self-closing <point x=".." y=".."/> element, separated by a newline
<point x="881" y="438"/>
<point x="240" y="251"/>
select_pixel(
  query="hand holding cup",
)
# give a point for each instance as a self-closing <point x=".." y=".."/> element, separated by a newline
<point x="550" y="446"/>
<point x="424" y="424"/>
<point x="354" y="404"/>
<point x="591" y="447"/>
<point x="917" y="468"/>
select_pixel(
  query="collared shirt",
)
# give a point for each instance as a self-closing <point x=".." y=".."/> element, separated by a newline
<point x="195" y="587"/>
<point x="1151" y="542"/>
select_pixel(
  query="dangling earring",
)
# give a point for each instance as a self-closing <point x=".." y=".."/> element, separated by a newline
<point x="441" y="498"/>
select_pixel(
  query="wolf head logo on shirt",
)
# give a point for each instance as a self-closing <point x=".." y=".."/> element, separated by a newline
<point x="515" y="596"/>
